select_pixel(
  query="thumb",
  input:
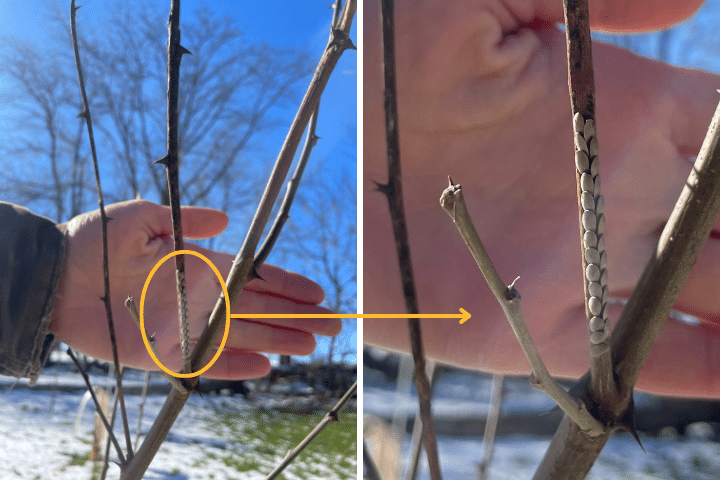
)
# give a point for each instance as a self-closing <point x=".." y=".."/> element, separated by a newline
<point x="197" y="222"/>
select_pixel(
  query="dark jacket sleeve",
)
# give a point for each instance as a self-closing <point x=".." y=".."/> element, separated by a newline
<point x="32" y="254"/>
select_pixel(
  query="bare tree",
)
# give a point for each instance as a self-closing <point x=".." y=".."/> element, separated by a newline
<point x="42" y="134"/>
<point x="227" y="99"/>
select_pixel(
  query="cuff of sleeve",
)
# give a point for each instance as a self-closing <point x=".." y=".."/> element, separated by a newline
<point x="32" y="256"/>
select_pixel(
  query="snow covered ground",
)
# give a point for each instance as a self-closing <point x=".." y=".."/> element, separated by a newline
<point x="462" y="397"/>
<point x="37" y="439"/>
<point x="517" y="457"/>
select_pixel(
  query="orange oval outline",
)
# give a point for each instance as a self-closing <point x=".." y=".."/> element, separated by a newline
<point x="142" y="311"/>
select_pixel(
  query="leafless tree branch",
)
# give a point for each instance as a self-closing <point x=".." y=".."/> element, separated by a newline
<point x="331" y="416"/>
<point x="393" y="191"/>
<point x="104" y="220"/>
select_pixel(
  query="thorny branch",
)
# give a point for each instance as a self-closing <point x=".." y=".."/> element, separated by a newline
<point x="104" y="221"/>
<point x="243" y="269"/>
<point x="171" y="162"/>
<point x="310" y="140"/>
<point x="393" y="192"/>
<point x="571" y="454"/>
<point x="292" y="187"/>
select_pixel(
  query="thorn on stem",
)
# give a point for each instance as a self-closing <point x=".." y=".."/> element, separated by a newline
<point x="82" y="114"/>
<point x="627" y="422"/>
<point x="163" y="161"/>
<point x="254" y="274"/>
<point x="383" y="188"/>
<point x="184" y="50"/>
<point x="342" y="40"/>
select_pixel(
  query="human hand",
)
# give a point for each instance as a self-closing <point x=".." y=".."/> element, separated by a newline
<point x="483" y="97"/>
<point x="139" y="235"/>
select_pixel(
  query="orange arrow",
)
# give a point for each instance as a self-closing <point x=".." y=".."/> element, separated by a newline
<point x="463" y="315"/>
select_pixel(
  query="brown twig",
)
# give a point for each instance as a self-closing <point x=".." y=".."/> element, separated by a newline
<point x="97" y="407"/>
<point x="106" y="457"/>
<point x="141" y="407"/>
<point x="284" y="212"/>
<point x="684" y="235"/>
<point x="417" y="432"/>
<point x="393" y="191"/>
<point x="132" y="308"/>
<point x="491" y="421"/>
<point x="294" y="183"/>
<point x="171" y="162"/>
<point x="453" y="202"/>
<point x="331" y="416"/>
<point x="581" y="81"/>
<point x="104" y="220"/>
<point x="242" y="270"/>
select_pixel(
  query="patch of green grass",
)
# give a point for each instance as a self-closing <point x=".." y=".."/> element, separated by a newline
<point x="78" y="460"/>
<point x="242" y="463"/>
<point x="269" y="435"/>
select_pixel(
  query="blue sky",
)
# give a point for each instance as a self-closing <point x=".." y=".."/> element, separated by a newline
<point x="299" y="24"/>
<point x="693" y="43"/>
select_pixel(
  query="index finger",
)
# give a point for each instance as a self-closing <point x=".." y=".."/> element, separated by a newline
<point x="273" y="280"/>
<point x="626" y="15"/>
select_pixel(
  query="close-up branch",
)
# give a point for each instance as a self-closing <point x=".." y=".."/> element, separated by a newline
<point x="591" y="216"/>
<point x="393" y="191"/>
<point x="453" y="202"/>
<point x="643" y="317"/>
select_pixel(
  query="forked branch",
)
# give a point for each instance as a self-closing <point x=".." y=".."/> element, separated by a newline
<point x="571" y="454"/>
<point x="453" y="202"/>
<point x="243" y="269"/>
